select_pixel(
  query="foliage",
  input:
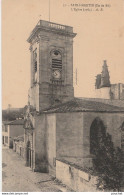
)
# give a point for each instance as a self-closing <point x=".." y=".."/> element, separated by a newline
<point x="108" y="163"/>
<point x="12" y="114"/>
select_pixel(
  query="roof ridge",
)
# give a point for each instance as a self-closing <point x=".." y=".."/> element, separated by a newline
<point x="77" y="104"/>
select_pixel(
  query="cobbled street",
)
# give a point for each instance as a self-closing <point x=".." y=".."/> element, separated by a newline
<point x="16" y="177"/>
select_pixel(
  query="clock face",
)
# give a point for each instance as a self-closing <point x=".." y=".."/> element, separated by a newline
<point x="57" y="74"/>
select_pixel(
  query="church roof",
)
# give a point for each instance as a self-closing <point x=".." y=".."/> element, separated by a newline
<point x="84" y="105"/>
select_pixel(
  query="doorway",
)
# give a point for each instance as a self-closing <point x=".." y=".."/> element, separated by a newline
<point x="3" y="139"/>
<point x="97" y="133"/>
<point x="28" y="154"/>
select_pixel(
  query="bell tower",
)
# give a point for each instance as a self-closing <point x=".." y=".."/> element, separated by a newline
<point x="51" y="47"/>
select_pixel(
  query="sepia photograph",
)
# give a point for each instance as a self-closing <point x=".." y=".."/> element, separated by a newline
<point x="62" y="95"/>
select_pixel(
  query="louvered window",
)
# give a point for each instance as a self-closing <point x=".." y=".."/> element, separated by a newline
<point x="35" y="66"/>
<point x="56" y="60"/>
<point x="35" y="60"/>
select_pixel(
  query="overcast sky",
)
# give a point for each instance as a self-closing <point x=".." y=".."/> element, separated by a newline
<point x="100" y="36"/>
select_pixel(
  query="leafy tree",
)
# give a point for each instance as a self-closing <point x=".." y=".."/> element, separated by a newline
<point x="10" y="115"/>
<point x="109" y="165"/>
<point x="13" y="114"/>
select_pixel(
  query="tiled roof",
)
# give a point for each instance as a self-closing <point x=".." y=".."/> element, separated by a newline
<point x="118" y="103"/>
<point x="15" y="122"/>
<point x="83" y="105"/>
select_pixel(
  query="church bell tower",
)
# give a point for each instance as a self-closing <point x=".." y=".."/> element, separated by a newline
<point x="51" y="47"/>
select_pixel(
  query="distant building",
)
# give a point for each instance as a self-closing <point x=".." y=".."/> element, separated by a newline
<point x="11" y="129"/>
<point x="106" y="90"/>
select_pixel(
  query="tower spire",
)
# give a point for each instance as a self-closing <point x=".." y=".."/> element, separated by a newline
<point x="105" y="78"/>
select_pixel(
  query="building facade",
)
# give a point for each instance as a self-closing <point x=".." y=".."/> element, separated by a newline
<point x="57" y="125"/>
<point x="65" y="132"/>
<point x="11" y="129"/>
<point x="51" y="47"/>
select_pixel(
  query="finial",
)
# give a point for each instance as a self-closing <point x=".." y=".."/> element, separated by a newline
<point x="28" y="106"/>
<point x="39" y="16"/>
<point x="105" y="63"/>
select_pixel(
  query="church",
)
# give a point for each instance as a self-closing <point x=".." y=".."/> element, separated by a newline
<point x="104" y="88"/>
<point x="58" y="125"/>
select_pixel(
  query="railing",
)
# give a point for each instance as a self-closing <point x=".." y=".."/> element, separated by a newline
<point x="54" y="26"/>
<point x="57" y="26"/>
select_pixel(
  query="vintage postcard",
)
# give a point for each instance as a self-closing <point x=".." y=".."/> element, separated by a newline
<point x="62" y="96"/>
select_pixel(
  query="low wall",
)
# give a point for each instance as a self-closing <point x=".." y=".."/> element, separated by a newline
<point x="75" y="178"/>
<point x="18" y="147"/>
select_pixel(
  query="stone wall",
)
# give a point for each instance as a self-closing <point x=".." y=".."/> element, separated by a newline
<point x="75" y="178"/>
<point x="122" y="91"/>
<point x="16" y="130"/>
<point x="69" y="134"/>
<point x="51" y="143"/>
<point x="39" y="144"/>
<point x="115" y="92"/>
<point x="18" y="147"/>
<point x="73" y="134"/>
<point x="112" y="122"/>
<point x="103" y="93"/>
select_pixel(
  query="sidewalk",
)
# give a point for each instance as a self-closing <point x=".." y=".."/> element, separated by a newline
<point x="19" y="178"/>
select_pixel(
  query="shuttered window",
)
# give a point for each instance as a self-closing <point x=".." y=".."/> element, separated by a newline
<point x="56" y="60"/>
<point x="35" y="60"/>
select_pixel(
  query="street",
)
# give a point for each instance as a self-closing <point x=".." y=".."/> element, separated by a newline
<point x="16" y="177"/>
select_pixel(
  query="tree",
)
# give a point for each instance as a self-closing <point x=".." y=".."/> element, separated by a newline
<point x="108" y="164"/>
<point x="12" y="114"/>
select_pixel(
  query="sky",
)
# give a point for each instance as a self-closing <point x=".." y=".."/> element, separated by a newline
<point x="100" y="36"/>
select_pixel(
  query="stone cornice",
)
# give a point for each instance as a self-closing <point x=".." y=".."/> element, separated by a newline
<point x="49" y="30"/>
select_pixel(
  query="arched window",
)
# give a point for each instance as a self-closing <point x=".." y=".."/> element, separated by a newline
<point x="28" y="154"/>
<point x="35" y="63"/>
<point x="97" y="132"/>
<point x="56" y="59"/>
